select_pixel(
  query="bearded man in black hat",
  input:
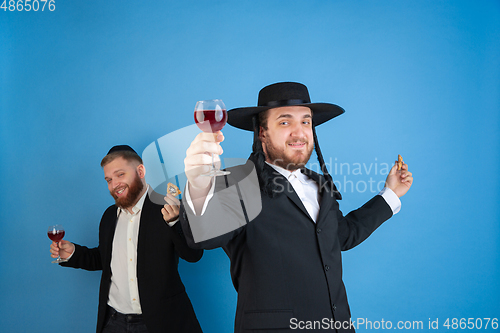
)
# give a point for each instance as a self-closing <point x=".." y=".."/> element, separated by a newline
<point x="139" y="248"/>
<point x="286" y="260"/>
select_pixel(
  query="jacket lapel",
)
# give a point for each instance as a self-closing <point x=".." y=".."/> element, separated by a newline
<point x="112" y="220"/>
<point x="143" y="225"/>
<point x="287" y="188"/>
<point x="327" y="193"/>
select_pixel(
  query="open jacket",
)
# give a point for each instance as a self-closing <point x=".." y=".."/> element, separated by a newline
<point x="164" y="302"/>
<point x="285" y="267"/>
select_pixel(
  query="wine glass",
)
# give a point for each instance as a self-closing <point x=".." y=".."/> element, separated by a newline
<point x="56" y="234"/>
<point x="211" y="116"/>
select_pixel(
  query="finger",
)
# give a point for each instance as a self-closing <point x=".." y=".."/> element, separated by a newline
<point x="207" y="136"/>
<point x="197" y="169"/>
<point x="394" y="169"/>
<point x="204" y="147"/>
<point x="169" y="212"/>
<point x="168" y="208"/>
<point x="54" y="251"/>
<point x="407" y="180"/>
<point x="199" y="160"/>
<point x="166" y="215"/>
<point x="405" y="174"/>
<point x="171" y="200"/>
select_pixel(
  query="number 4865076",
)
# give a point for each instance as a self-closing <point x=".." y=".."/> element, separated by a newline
<point x="28" y="5"/>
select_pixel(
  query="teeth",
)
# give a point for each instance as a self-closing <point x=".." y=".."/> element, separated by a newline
<point x="121" y="191"/>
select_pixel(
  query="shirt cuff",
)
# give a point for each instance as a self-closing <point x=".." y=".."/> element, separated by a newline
<point x="207" y="199"/>
<point x="171" y="224"/>
<point x="392" y="199"/>
<point x="68" y="258"/>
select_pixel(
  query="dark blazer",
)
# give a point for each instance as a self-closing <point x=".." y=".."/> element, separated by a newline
<point x="164" y="302"/>
<point x="285" y="266"/>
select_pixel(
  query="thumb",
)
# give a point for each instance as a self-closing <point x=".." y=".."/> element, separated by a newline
<point x="394" y="169"/>
<point x="63" y="244"/>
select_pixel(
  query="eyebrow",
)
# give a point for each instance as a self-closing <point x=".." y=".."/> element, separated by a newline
<point x="287" y="115"/>
<point x="114" y="173"/>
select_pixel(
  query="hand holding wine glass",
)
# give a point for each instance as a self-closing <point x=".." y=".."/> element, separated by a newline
<point x="58" y="246"/>
<point x="211" y="116"/>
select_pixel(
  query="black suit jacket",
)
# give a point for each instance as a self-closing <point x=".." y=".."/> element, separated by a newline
<point x="164" y="302"/>
<point x="285" y="267"/>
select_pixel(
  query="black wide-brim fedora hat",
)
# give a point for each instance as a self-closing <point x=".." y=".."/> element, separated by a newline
<point x="278" y="95"/>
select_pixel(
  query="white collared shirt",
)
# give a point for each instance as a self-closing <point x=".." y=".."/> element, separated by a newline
<point x="305" y="187"/>
<point x="124" y="291"/>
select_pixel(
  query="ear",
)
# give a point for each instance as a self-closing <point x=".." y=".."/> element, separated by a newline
<point x="262" y="138"/>
<point x="141" y="171"/>
<point x="262" y="133"/>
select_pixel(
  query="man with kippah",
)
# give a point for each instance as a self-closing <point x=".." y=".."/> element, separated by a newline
<point x="286" y="255"/>
<point x="139" y="248"/>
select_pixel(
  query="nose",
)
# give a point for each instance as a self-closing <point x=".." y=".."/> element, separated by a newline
<point x="113" y="184"/>
<point x="297" y="130"/>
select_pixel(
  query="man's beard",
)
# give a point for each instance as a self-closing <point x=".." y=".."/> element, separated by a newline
<point x="277" y="156"/>
<point x="134" y="190"/>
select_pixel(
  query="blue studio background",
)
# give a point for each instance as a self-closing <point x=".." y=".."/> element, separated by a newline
<point x="416" y="78"/>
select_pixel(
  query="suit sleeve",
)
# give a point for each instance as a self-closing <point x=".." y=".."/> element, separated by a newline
<point x="181" y="246"/>
<point x="85" y="258"/>
<point x="91" y="259"/>
<point x="356" y="226"/>
<point x="152" y="210"/>
<point x="215" y="240"/>
<point x="236" y="201"/>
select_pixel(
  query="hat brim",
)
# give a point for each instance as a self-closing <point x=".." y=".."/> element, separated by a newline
<point x="242" y="117"/>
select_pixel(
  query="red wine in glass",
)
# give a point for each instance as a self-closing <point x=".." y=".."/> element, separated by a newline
<point x="211" y="116"/>
<point x="210" y="120"/>
<point x="56" y="234"/>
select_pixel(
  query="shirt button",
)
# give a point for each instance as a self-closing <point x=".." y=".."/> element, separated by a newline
<point x="327" y="267"/>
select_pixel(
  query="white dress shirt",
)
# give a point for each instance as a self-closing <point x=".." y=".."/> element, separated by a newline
<point x="305" y="187"/>
<point x="124" y="292"/>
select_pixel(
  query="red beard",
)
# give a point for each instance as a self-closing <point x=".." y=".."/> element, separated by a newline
<point x="134" y="190"/>
<point x="278" y="157"/>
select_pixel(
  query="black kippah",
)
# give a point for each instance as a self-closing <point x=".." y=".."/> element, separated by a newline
<point x="121" y="148"/>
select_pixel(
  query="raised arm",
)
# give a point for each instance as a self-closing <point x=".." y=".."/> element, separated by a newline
<point x="197" y="162"/>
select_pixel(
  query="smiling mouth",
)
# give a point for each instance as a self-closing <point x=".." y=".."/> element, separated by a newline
<point x="297" y="144"/>
<point x="120" y="191"/>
